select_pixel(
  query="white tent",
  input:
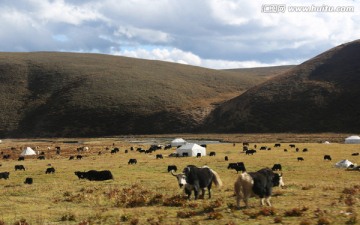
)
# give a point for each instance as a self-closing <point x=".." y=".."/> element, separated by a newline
<point x="343" y="163"/>
<point x="177" y="142"/>
<point x="326" y="142"/>
<point x="352" y="140"/>
<point x="191" y="149"/>
<point x="28" y="151"/>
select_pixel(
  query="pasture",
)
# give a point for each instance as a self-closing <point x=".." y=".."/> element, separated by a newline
<point x="145" y="193"/>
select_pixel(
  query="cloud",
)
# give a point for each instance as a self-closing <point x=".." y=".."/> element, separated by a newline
<point x="179" y="56"/>
<point x="212" y="33"/>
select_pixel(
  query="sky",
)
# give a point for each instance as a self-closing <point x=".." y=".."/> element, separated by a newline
<point x="217" y="34"/>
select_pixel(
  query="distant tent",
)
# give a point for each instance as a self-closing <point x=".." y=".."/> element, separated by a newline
<point x="0" y="141"/>
<point x="191" y="149"/>
<point x="326" y="142"/>
<point x="177" y="142"/>
<point x="28" y="151"/>
<point x="352" y="140"/>
<point x="343" y="163"/>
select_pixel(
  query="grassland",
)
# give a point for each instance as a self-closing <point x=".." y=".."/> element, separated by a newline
<point x="315" y="192"/>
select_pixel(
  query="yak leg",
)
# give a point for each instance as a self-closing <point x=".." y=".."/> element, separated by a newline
<point x="267" y="199"/>
<point x="209" y="190"/>
<point x="196" y="190"/>
<point x="262" y="201"/>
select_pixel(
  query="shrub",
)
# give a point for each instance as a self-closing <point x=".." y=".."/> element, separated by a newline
<point x="305" y="222"/>
<point x="185" y="214"/>
<point x="134" y="221"/>
<point x="84" y="222"/>
<point x="267" y="211"/>
<point x="157" y="199"/>
<point x="323" y="221"/>
<point x="278" y="219"/>
<point x="215" y="216"/>
<point x="349" y="200"/>
<point x="68" y="217"/>
<point x="349" y="191"/>
<point x="294" y="212"/>
<point x="175" y="201"/>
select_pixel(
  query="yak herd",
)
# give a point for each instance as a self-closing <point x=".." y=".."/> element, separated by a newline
<point x="199" y="179"/>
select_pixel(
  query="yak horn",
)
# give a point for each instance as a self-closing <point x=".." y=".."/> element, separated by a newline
<point x="172" y="172"/>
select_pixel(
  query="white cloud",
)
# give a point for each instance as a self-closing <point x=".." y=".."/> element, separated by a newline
<point x="141" y="34"/>
<point x="212" y="33"/>
<point x="163" y="54"/>
<point x="179" y="56"/>
<point x="59" y="11"/>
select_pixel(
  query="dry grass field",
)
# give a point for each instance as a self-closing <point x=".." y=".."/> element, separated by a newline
<point x="316" y="192"/>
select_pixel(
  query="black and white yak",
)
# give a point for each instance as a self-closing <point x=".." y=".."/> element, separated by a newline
<point x="196" y="179"/>
<point x="258" y="183"/>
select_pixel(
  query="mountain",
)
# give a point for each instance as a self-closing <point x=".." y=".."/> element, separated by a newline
<point x="320" y="95"/>
<point x="53" y="94"/>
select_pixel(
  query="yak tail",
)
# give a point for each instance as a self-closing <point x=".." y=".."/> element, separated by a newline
<point x="217" y="181"/>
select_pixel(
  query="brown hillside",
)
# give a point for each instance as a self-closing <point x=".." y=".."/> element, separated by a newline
<point x="320" y="95"/>
<point x="72" y="94"/>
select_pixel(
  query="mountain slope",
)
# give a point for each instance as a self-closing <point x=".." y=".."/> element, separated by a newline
<point x="320" y="95"/>
<point x="73" y="94"/>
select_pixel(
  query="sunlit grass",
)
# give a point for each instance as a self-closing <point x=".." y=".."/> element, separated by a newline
<point x="146" y="193"/>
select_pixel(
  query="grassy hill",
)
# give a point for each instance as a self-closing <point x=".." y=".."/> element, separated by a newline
<point x="320" y="95"/>
<point x="73" y="94"/>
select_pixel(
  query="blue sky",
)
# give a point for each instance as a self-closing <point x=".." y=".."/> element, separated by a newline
<point x="215" y="34"/>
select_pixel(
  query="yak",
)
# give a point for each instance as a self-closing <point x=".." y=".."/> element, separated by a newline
<point x="258" y="183"/>
<point x="195" y="178"/>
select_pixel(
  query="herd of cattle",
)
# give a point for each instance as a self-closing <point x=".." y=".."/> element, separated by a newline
<point x="196" y="179"/>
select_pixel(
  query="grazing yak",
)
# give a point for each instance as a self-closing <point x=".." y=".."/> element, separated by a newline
<point x="327" y="157"/>
<point x="132" y="161"/>
<point x="195" y="178"/>
<point x="159" y="156"/>
<point x="4" y="175"/>
<point x="172" y="167"/>
<point x="239" y="166"/>
<point x="28" y="180"/>
<point x="258" y="183"/>
<point x="95" y="175"/>
<point x="250" y="152"/>
<point x="50" y="170"/>
<point x="300" y="159"/>
<point x="276" y="167"/>
<point x="212" y="154"/>
<point x="19" y="167"/>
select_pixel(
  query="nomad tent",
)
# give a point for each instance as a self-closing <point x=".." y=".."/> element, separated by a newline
<point x="191" y="149"/>
<point x="28" y="151"/>
<point x="352" y="140"/>
<point x="177" y="142"/>
<point x="343" y="163"/>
